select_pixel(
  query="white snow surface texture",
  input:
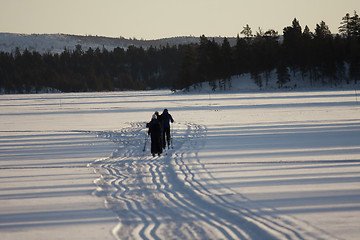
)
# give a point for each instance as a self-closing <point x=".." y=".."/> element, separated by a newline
<point x="265" y="165"/>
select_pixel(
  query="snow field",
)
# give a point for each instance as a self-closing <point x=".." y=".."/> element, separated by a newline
<point x="46" y="186"/>
<point x="281" y="165"/>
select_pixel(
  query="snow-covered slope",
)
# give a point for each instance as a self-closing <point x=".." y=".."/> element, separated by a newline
<point x="56" y="43"/>
<point x="245" y="83"/>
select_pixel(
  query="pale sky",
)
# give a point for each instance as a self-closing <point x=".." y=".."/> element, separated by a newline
<point x="153" y="19"/>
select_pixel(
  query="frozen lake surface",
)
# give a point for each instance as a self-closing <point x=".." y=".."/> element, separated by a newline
<point x="279" y="165"/>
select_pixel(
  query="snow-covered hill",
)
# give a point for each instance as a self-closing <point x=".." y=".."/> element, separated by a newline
<point x="269" y="82"/>
<point x="56" y="43"/>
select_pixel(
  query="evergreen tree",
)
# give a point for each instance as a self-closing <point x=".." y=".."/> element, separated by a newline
<point x="350" y="25"/>
<point x="226" y="63"/>
<point x="242" y="53"/>
<point x="247" y="32"/>
<point x="188" y="73"/>
<point x="307" y="34"/>
<point x="344" y="28"/>
<point x="293" y="44"/>
<point x="322" y="31"/>
<point x="354" y="25"/>
<point x="282" y="75"/>
<point x="292" y="34"/>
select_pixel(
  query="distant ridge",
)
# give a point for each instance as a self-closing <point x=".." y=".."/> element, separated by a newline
<point x="57" y="43"/>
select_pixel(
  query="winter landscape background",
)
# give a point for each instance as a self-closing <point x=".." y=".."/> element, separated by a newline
<point x="261" y="165"/>
<point x="296" y="58"/>
<point x="265" y="140"/>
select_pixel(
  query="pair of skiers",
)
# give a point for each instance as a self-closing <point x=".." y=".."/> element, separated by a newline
<point x="159" y="129"/>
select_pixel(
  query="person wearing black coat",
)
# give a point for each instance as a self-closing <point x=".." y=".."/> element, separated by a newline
<point x="166" y="119"/>
<point x="155" y="134"/>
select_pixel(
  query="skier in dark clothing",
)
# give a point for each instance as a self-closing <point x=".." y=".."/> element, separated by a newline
<point x="155" y="134"/>
<point x="161" y="122"/>
<point x="166" y="119"/>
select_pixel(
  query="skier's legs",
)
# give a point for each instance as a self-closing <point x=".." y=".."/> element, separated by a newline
<point x="153" y="146"/>
<point x="163" y="144"/>
<point x="156" y="145"/>
<point x="167" y="132"/>
<point x="159" y="148"/>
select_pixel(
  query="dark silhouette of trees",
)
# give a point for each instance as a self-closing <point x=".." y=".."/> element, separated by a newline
<point x="319" y="56"/>
<point x="90" y="70"/>
<point x="247" y="32"/>
<point x="350" y="25"/>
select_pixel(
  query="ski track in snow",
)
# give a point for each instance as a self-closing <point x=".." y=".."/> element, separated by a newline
<point x="162" y="197"/>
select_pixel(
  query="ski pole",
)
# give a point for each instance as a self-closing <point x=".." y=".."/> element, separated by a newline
<point x="171" y="136"/>
<point x="146" y="139"/>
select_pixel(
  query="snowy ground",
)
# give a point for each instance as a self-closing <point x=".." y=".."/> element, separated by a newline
<point x="282" y="165"/>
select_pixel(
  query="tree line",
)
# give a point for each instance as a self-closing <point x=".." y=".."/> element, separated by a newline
<point x="90" y="70"/>
<point x="318" y="56"/>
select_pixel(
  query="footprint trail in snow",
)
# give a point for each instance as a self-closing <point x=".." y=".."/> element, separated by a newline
<point x="163" y="197"/>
